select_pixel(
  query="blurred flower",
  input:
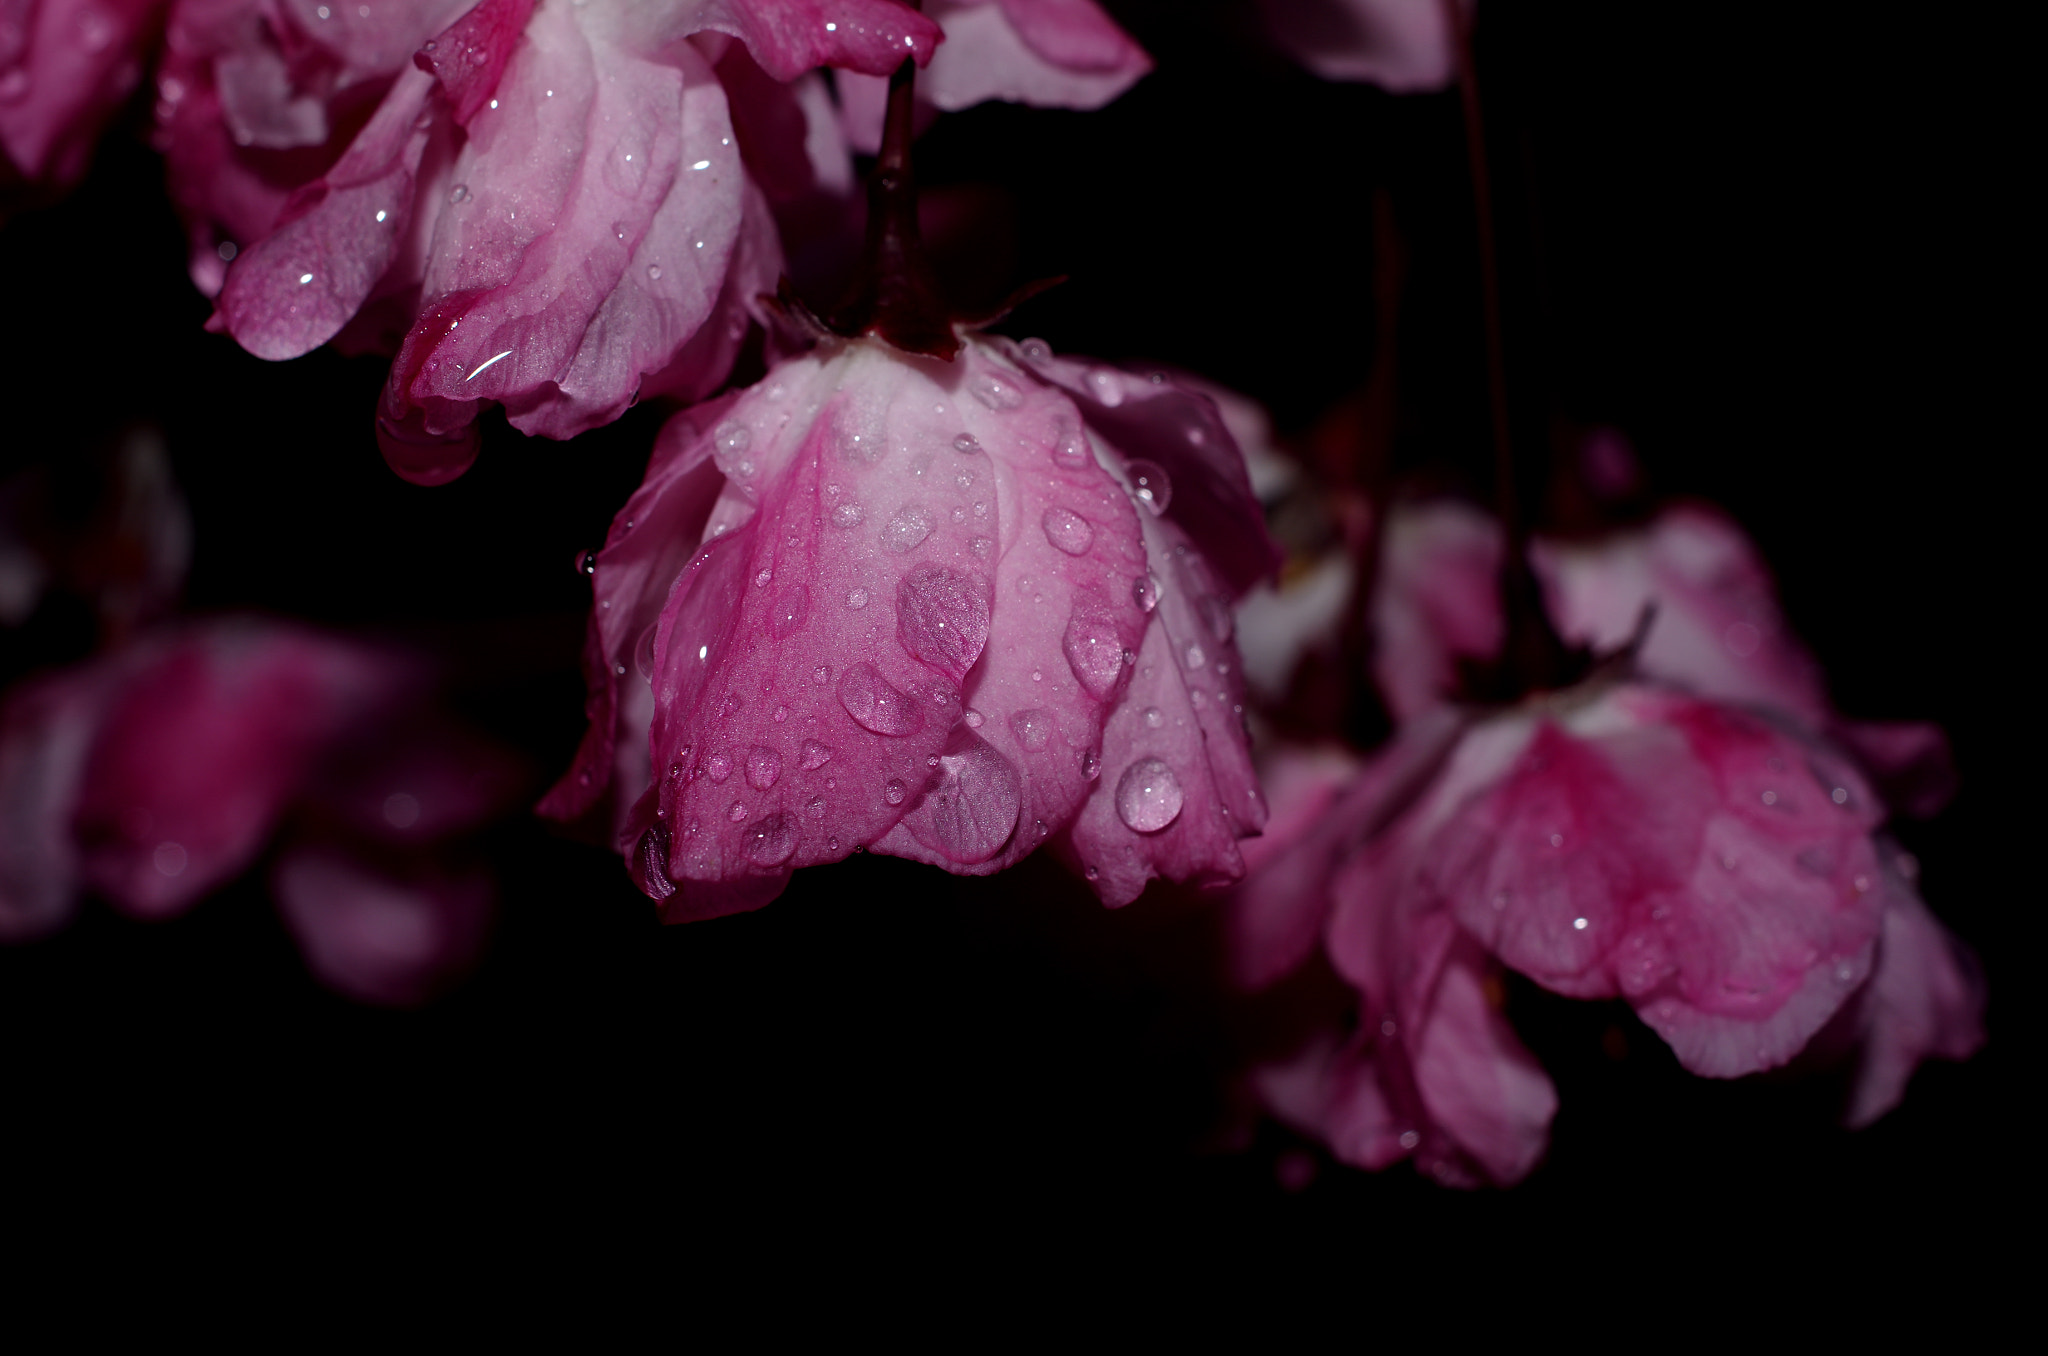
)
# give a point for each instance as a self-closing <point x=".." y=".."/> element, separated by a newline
<point x="942" y="610"/>
<point x="65" y="68"/>
<point x="158" y="773"/>
<point x="539" y="205"/>
<point x="1687" y="829"/>
<point x="1403" y="46"/>
<point x="1046" y="53"/>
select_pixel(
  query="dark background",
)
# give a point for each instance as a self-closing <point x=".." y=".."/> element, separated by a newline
<point x="1781" y="251"/>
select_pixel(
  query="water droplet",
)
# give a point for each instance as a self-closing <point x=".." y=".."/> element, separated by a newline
<point x="1409" y="1139"/>
<point x="653" y="270"/>
<point x="815" y="807"/>
<point x="909" y="528"/>
<point x="1148" y="796"/>
<point x="815" y="755"/>
<point x="643" y="651"/>
<point x="764" y="767"/>
<point x="458" y="193"/>
<point x="983" y="547"/>
<point x="771" y="840"/>
<point x="792" y="610"/>
<point x="1770" y="798"/>
<point x="894" y="791"/>
<point x="1091" y="765"/>
<point x="1840" y="795"/>
<point x="737" y="812"/>
<point x="1557" y="840"/>
<point x="762" y="579"/>
<point x="1091" y="873"/>
<point x="848" y="514"/>
<point x="973" y="718"/>
<point x="781" y="714"/>
<point x="1037" y="350"/>
<point x="942" y="617"/>
<point x="857" y="599"/>
<point x="1579" y="924"/>
<point x="970" y="805"/>
<point x="1107" y="385"/>
<point x="1070" y="448"/>
<point x="967" y="443"/>
<point x="1151" y="486"/>
<point x="875" y="705"/>
<point x="731" y="437"/>
<point x="995" y="392"/>
<point x="1034" y="728"/>
<point x="1067" y="530"/>
<point x="719" y="767"/>
<point x="1145" y="591"/>
<point x="1152" y="717"/>
<point x="586" y="562"/>
<point x="1196" y="659"/>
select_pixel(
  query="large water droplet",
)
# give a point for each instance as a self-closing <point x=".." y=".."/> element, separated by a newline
<point x="1145" y="592"/>
<point x="942" y="617"/>
<point x="1094" y="651"/>
<point x="970" y="805"/>
<point x="1067" y="530"/>
<point x="1034" y="728"/>
<point x="718" y="766"/>
<point x="998" y="393"/>
<point x="1152" y="717"/>
<point x="764" y="767"/>
<point x="967" y="444"/>
<point x="1106" y="384"/>
<point x="1070" y="448"/>
<point x="894" y="791"/>
<point x="771" y="840"/>
<point x="815" y="755"/>
<point x="876" y="706"/>
<point x="909" y="528"/>
<point x="848" y="513"/>
<point x="1150" y="484"/>
<point x="1148" y="796"/>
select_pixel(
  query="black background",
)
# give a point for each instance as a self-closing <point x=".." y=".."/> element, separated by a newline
<point x="1780" y="250"/>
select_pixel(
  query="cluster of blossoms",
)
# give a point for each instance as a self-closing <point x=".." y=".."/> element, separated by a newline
<point x="1691" y="828"/>
<point x="919" y="590"/>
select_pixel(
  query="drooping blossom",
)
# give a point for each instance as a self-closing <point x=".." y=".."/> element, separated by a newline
<point x="1046" y="53"/>
<point x="538" y="205"/>
<point x="66" y="66"/>
<point x="941" y="610"/>
<point x="1685" y="832"/>
<point x="163" y="770"/>
<point x="1403" y="46"/>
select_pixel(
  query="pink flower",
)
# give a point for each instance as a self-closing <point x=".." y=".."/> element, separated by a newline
<point x="1403" y="46"/>
<point x="65" y="68"/>
<point x="930" y="616"/>
<point x="1046" y="53"/>
<point x="539" y="205"/>
<point x="157" y="774"/>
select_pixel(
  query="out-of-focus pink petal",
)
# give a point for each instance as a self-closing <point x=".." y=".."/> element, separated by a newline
<point x="1177" y="789"/>
<point x="1437" y="602"/>
<point x="210" y="738"/>
<point x="1279" y="624"/>
<point x="47" y="730"/>
<point x="393" y="939"/>
<point x="598" y="209"/>
<point x="1403" y="46"/>
<point x="1712" y="869"/>
<point x="1925" y="1001"/>
<point x="65" y="67"/>
<point x="702" y="364"/>
<point x="652" y="540"/>
<point x="1910" y="761"/>
<point x="1201" y="485"/>
<point x="294" y="290"/>
<point x="1333" y="1091"/>
<point x="1480" y="1085"/>
<point x="1279" y="911"/>
<point x="1717" y="631"/>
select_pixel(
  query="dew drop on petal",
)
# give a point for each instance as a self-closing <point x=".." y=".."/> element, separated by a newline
<point x="995" y="392"/>
<point x="654" y="272"/>
<point x="815" y="755"/>
<point x="973" y="718"/>
<point x="1070" y="449"/>
<point x="1145" y="591"/>
<point x="1034" y="728"/>
<point x="857" y="599"/>
<point x="1106" y="384"/>
<point x="1091" y="765"/>
<point x="967" y="443"/>
<point x="875" y="705"/>
<point x="737" y="812"/>
<point x="792" y="610"/>
<point x="764" y="767"/>
<point x="894" y="791"/>
<point x="1067" y="530"/>
<point x="1151" y="486"/>
<point x="771" y="840"/>
<point x="848" y="514"/>
<point x="458" y="193"/>
<point x="909" y="528"/>
<point x="1196" y="659"/>
<point x="719" y="767"/>
<point x="1152" y="717"/>
<point x="1148" y="796"/>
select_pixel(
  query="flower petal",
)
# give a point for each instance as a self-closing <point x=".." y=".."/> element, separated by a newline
<point x="391" y="939"/>
<point x="47" y="730"/>
<point x="1436" y="601"/>
<point x="67" y="69"/>
<point x="1403" y="46"/>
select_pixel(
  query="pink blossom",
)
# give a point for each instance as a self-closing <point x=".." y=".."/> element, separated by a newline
<point x="1046" y="53"/>
<point x="65" y="68"/>
<point x="1403" y="46"/>
<point x="158" y="773"/>
<point x="930" y="616"/>
<point x="540" y="205"/>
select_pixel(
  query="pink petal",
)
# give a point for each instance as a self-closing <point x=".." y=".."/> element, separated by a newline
<point x="47" y="730"/>
<point x="1436" y="602"/>
<point x="652" y="541"/>
<point x="393" y="939"/>
<point x="789" y="37"/>
<point x="1178" y="789"/>
<point x="65" y="68"/>
<point x="1068" y="557"/>
<point x="1180" y="430"/>
<point x="1717" y="629"/>
<point x="468" y="57"/>
<point x="293" y="291"/>
<point x="1910" y="761"/>
<point x="415" y="781"/>
<point x="1925" y="1000"/>
<point x="1403" y="46"/>
<point x="1712" y="869"/>
<point x="214" y="733"/>
<point x="588" y="244"/>
<point x="1334" y="1092"/>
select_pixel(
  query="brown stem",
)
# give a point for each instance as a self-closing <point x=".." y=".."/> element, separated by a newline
<point x="895" y="294"/>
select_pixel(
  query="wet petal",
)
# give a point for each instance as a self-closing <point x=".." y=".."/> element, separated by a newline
<point x="393" y="938"/>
